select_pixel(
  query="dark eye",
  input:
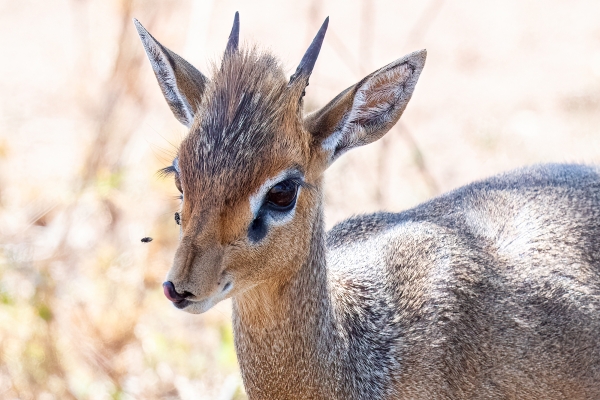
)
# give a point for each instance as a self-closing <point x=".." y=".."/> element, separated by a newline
<point x="283" y="194"/>
<point x="178" y="184"/>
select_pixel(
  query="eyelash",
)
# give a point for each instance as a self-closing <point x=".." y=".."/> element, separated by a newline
<point x="300" y="183"/>
<point x="170" y="170"/>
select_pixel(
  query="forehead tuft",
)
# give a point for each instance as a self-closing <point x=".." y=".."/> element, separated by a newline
<point x="240" y="123"/>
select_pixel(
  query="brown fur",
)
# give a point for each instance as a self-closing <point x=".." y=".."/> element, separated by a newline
<point x="492" y="291"/>
<point x="245" y="106"/>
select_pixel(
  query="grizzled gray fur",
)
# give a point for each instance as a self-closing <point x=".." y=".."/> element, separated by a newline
<point x="491" y="291"/>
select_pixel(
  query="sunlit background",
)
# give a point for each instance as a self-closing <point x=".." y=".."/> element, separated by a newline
<point x="84" y="128"/>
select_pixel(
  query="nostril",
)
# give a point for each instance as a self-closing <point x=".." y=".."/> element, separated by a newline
<point x="171" y="293"/>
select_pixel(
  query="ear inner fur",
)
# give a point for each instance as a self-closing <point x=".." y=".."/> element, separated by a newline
<point x="364" y="112"/>
<point x="181" y="83"/>
<point x="489" y="291"/>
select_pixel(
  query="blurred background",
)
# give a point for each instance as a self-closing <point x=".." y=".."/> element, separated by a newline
<point x="84" y="128"/>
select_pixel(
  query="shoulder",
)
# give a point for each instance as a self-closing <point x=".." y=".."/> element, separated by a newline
<point x="361" y="228"/>
<point x="373" y="246"/>
<point x="501" y="193"/>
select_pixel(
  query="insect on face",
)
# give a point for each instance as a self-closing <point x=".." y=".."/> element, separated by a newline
<point x="239" y="212"/>
<point x="241" y="171"/>
<point x="250" y="169"/>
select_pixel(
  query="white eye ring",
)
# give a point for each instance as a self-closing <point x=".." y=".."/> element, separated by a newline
<point x="257" y="199"/>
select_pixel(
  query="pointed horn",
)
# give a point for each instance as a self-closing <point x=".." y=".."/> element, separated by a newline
<point x="310" y="57"/>
<point x="234" y="36"/>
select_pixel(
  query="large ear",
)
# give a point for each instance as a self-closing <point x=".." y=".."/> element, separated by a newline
<point x="181" y="83"/>
<point x="365" y="112"/>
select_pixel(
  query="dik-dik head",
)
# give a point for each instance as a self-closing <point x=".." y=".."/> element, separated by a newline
<point x="250" y="169"/>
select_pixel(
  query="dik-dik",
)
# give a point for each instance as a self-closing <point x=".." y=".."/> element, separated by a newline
<point x="491" y="291"/>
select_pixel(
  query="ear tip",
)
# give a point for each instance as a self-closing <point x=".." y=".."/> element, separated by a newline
<point x="418" y="58"/>
<point x="139" y="27"/>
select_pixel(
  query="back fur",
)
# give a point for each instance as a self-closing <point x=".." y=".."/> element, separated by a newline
<point x="491" y="291"/>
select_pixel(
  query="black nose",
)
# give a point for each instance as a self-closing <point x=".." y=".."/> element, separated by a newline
<point x="172" y="294"/>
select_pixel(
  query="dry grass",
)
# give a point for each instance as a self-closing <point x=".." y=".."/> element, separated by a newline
<point x="83" y="129"/>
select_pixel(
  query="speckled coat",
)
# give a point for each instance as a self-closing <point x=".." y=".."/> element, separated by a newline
<point x="489" y="292"/>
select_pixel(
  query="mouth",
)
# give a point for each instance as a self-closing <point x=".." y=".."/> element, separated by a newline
<point x="181" y="304"/>
<point x="195" y="306"/>
<point x="178" y="299"/>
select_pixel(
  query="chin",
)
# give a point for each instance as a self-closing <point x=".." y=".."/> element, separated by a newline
<point x="197" y="307"/>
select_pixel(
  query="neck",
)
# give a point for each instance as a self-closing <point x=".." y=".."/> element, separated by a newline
<point x="284" y="333"/>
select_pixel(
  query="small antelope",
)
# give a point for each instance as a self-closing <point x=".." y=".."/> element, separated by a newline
<point x="491" y="291"/>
